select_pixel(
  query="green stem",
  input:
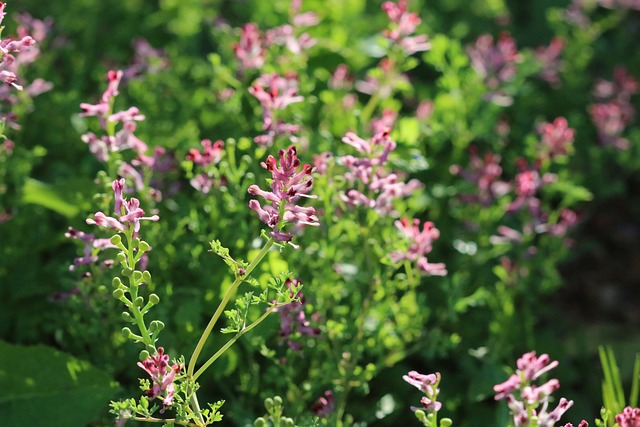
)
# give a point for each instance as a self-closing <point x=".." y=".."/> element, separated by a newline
<point x="222" y="306"/>
<point x="368" y="109"/>
<point x="232" y="341"/>
<point x="196" y="408"/>
<point x="166" y="421"/>
<point x="133" y="291"/>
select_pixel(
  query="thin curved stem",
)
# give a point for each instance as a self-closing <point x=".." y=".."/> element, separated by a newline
<point x="222" y="306"/>
<point x="232" y="341"/>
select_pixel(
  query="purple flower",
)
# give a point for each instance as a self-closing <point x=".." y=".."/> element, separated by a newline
<point x="485" y="173"/>
<point x="420" y="244"/>
<point x="525" y="399"/>
<point x="128" y="211"/>
<point x="91" y="247"/>
<point x="324" y="406"/>
<point x="428" y="384"/>
<point x="288" y="185"/>
<point x="383" y="187"/>
<point x="162" y="376"/>
<point x="293" y="321"/>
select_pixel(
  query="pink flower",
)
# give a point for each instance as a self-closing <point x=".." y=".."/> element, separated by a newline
<point x="250" y="51"/>
<point x="557" y="137"/>
<point x="485" y="174"/>
<point x="129" y="215"/>
<point x="324" y="406"/>
<point x="210" y="154"/>
<point x="549" y="58"/>
<point x="288" y="185"/>
<point x="293" y="321"/>
<point x="495" y="63"/>
<point x="162" y="376"/>
<point x="629" y="417"/>
<point x="420" y="244"/>
<point x="275" y="93"/>
<point x="525" y="399"/>
<point x="428" y="384"/>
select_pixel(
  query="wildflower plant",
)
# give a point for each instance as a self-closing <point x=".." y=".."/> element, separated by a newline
<point x="175" y="384"/>
<point x="529" y="403"/>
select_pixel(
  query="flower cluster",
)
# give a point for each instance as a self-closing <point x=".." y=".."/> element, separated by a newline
<point x="210" y="155"/>
<point x="527" y="401"/>
<point x="421" y="243"/>
<point x="162" y="376"/>
<point x="428" y="384"/>
<point x="252" y="47"/>
<point x="288" y="185"/>
<point x="629" y="417"/>
<point x="613" y="112"/>
<point x="92" y="246"/>
<point x="128" y="212"/>
<point x="382" y="187"/>
<point x="404" y="25"/>
<point x="484" y="173"/>
<point x="8" y="47"/>
<point x="250" y="50"/>
<point x="549" y="58"/>
<point x="15" y="54"/>
<point x="147" y="60"/>
<point x="556" y="138"/>
<point x="275" y="93"/>
<point x="111" y="142"/>
<point x="293" y="321"/>
<point x="495" y="63"/>
<point x="102" y="147"/>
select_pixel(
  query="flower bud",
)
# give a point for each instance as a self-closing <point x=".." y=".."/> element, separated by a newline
<point x="268" y="404"/>
<point x="144" y="355"/>
<point x="277" y="400"/>
<point x="126" y="316"/>
<point x="136" y="241"/>
<point x="260" y="422"/>
<point x="137" y="275"/>
<point x="288" y="422"/>
<point x="116" y="282"/>
<point x="160" y="325"/>
<point x="146" y="276"/>
<point x="102" y="289"/>
<point x="126" y="272"/>
<point x="116" y="240"/>
<point x="143" y="246"/>
<point x="126" y="332"/>
<point x="446" y="422"/>
<point x="121" y="257"/>
<point x="138" y="302"/>
<point x="118" y="294"/>
<point x="154" y="299"/>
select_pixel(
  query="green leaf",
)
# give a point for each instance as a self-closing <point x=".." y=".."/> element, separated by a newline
<point x="42" y="387"/>
<point x="39" y="193"/>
